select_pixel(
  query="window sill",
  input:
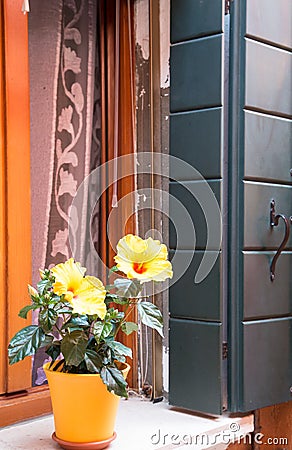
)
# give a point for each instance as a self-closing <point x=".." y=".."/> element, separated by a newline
<point x="143" y="425"/>
<point x="35" y="402"/>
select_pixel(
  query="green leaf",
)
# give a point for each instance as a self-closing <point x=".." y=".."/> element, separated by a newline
<point x="120" y="316"/>
<point x="101" y="330"/>
<point x="77" y="323"/>
<point x="64" y="310"/>
<point x="114" y="380"/>
<point x="81" y="320"/>
<point x="113" y="269"/>
<point x="52" y="299"/>
<point x="93" y="361"/>
<point x="43" y="285"/>
<point x="127" y="288"/>
<point x="116" y="299"/>
<point x="129" y="327"/>
<point x="25" y="310"/>
<point x="106" y="355"/>
<point x="73" y="347"/>
<point x="119" y="349"/>
<point x="48" y="340"/>
<point x="114" y="314"/>
<point x="54" y="350"/>
<point x="108" y="287"/>
<point x="25" y="343"/>
<point x="47" y="318"/>
<point x="151" y="316"/>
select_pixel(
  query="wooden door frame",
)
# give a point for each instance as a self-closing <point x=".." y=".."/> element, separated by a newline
<point x="3" y="328"/>
<point x="17" y="180"/>
<point x="19" y="401"/>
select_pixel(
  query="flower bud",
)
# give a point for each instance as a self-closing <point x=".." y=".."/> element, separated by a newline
<point x="42" y="274"/>
<point x="32" y="291"/>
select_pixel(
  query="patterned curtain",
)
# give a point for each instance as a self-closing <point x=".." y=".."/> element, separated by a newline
<point x="64" y="44"/>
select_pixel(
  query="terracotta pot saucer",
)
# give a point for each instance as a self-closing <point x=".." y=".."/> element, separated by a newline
<point x="84" y="445"/>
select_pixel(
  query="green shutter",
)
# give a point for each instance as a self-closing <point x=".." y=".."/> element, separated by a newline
<point x="260" y="163"/>
<point x="237" y="301"/>
<point x="196" y="136"/>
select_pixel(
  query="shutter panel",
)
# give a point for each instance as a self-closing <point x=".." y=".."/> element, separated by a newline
<point x="259" y="170"/>
<point x="196" y="136"/>
<point x="260" y="161"/>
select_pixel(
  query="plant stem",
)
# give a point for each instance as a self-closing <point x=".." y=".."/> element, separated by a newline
<point x="59" y="331"/>
<point x="127" y="313"/>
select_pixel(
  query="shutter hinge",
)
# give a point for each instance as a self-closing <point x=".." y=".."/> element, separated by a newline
<point x="224" y="350"/>
<point x="227" y="6"/>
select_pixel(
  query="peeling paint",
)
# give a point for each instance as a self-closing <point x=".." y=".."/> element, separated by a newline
<point x="142" y="27"/>
<point x="164" y="43"/>
<point x="165" y="371"/>
<point x="142" y="52"/>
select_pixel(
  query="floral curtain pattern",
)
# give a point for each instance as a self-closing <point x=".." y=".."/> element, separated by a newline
<point x="77" y="133"/>
<point x="76" y="122"/>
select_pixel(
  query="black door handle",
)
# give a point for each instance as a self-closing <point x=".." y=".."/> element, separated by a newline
<point x="274" y="222"/>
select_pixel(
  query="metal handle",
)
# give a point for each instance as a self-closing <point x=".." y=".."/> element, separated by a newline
<point x="274" y="222"/>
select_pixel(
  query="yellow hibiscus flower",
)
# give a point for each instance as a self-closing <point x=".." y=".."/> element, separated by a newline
<point x="86" y="294"/>
<point x="143" y="259"/>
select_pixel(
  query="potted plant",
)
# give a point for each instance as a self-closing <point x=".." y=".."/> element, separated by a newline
<point x="78" y="323"/>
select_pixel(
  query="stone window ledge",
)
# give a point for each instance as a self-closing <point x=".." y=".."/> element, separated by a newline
<point x="145" y="426"/>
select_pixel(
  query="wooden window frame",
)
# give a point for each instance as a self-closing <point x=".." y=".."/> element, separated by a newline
<point x="126" y="130"/>
<point x="18" y="400"/>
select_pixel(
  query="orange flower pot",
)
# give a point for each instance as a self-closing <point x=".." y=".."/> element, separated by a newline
<point x="84" y="410"/>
